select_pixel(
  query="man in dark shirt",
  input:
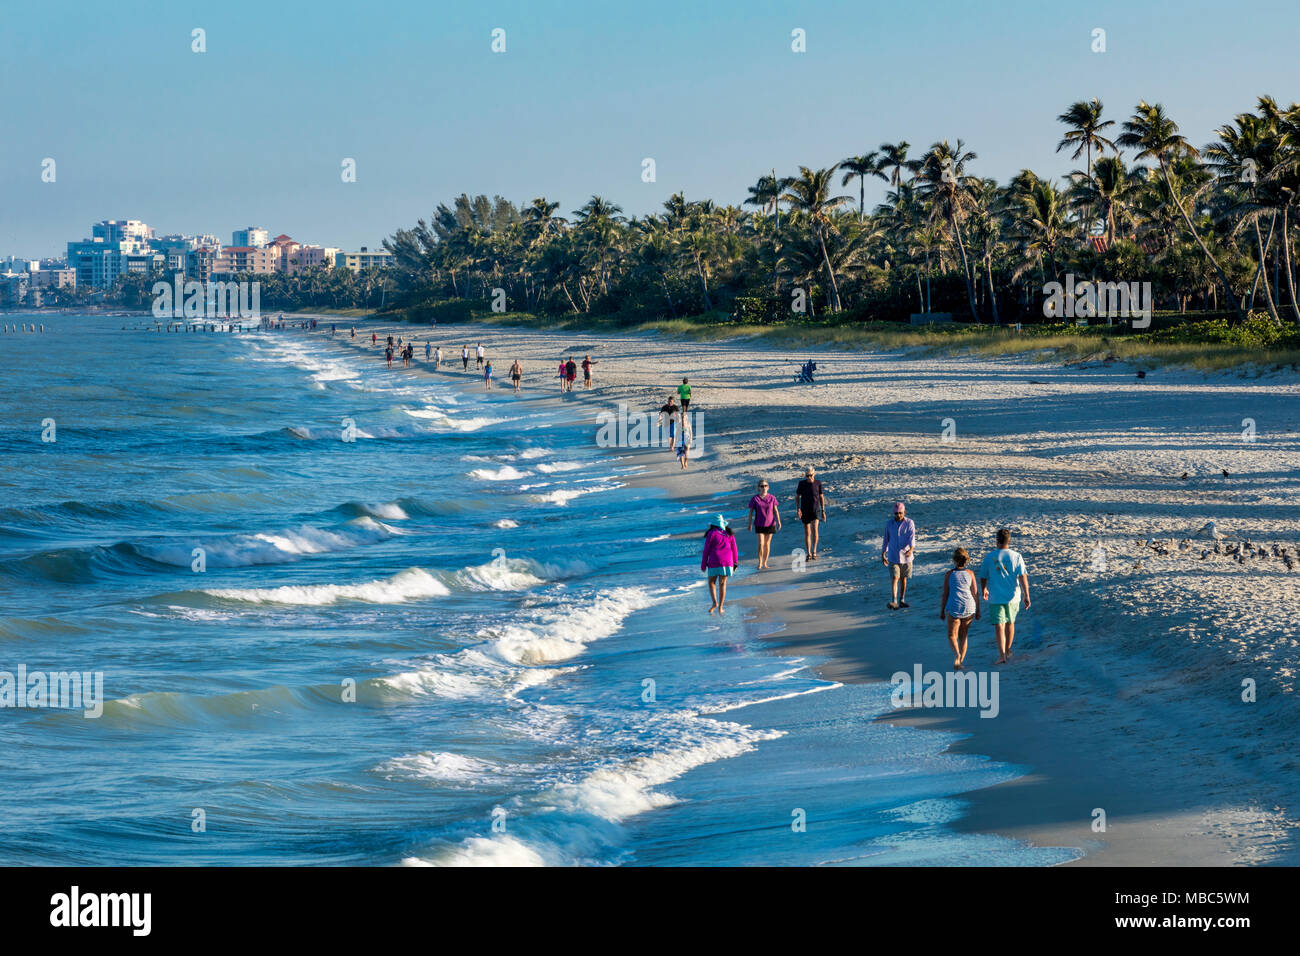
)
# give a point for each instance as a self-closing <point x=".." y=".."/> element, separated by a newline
<point x="810" y="506"/>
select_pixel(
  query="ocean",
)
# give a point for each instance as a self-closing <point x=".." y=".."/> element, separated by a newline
<point x="461" y="637"/>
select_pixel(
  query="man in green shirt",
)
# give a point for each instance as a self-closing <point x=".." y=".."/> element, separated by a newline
<point x="684" y="393"/>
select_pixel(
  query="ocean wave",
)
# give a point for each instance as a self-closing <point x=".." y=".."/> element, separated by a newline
<point x="559" y="466"/>
<point x="411" y="584"/>
<point x="267" y="547"/>
<point x="504" y="473"/>
<point x="438" y="767"/>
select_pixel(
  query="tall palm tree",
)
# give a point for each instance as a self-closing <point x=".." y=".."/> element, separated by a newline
<point x="1085" y="128"/>
<point x="1156" y="136"/>
<point x="944" y="182"/>
<point x="1244" y="154"/>
<point x="1285" y="179"/>
<point x="809" y="194"/>
<point x="868" y="164"/>
<point x="893" y="161"/>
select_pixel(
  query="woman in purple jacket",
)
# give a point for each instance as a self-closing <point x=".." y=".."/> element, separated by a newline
<point x="721" y="558"/>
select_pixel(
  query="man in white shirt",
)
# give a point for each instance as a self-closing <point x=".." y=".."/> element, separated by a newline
<point x="1003" y="579"/>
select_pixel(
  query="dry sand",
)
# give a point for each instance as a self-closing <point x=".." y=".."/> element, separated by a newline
<point x="1125" y="693"/>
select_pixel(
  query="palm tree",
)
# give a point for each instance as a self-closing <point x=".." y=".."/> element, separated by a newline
<point x="943" y="181"/>
<point x="809" y="194"/>
<point x="1285" y="179"/>
<point x="1085" y="125"/>
<point x="1156" y="136"/>
<point x="893" y="159"/>
<point x="1245" y="154"/>
<point x="862" y="166"/>
<point x="1106" y="189"/>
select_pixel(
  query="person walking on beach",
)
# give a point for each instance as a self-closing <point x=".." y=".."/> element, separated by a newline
<point x="564" y="378"/>
<point x="437" y="358"/>
<point x="959" y="605"/>
<point x="428" y="348"/>
<point x="671" y="411"/>
<point x="487" y="373"/>
<point x="464" y="357"/>
<point x="354" y="331"/>
<point x="374" y="338"/>
<point x="896" y="550"/>
<point x="684" y="437"/>
<point x="388" y="355"/>
<point x="810" y="508"/>
<point x="516" y="373"/>
<point x="479" y="353"/>
<point x="571" y="372"/>
<point x="764" y="520"/>
<point x="1003" y="581"/>
<point x="587" y="363"/>
<point x="720" y="560"/>
<point x="684" y="393"/>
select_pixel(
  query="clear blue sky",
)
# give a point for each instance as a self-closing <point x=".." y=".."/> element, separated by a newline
<point x="253" y="131"/>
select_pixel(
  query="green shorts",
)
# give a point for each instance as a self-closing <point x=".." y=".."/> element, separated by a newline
<point x="903" y="571"/>
<point x="1005" y="613"/>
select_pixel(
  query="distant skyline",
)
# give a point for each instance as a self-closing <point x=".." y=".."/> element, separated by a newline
<point x="253" y="131"/>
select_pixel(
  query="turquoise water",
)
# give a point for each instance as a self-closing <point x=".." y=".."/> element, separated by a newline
<point x="431" y="644"/>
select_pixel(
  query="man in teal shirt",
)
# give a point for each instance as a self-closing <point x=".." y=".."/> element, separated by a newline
<point x="1003" y="579"/>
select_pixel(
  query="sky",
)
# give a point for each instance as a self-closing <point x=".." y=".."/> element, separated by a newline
<point x="254" y="130"/>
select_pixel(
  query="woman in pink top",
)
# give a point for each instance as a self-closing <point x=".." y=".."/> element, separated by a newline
<point x="765" y="520"/>
<point x="721" y="558"/>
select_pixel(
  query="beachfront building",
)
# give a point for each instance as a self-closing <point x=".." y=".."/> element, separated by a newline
<point x="287" y="251"/>
<point x="252" y="237"/>
<point x="199" y="262"/>
<point x="53" y="278"/>
<point x="236" y="259"/>
<point x="134" y="234"/>
<point x="365" y="259"/>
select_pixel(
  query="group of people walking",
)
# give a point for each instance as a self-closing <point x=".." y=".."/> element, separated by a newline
<point x="1002" y="582"/>
<point x="680" y="431"/>
<point x="568" y="373"/>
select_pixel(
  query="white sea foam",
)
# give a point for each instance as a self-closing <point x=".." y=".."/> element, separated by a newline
<point x="500" y="850"/>
<point x="504" y="473"/>
<point x="411" y="584"/>
<point x="559" y="466"/>
<point x="499" y="574"/>
<point x="505" y="523"/>
<point x="438" y="767"/>
<point x="529" y="453"/>
<point x="561" y="635"/>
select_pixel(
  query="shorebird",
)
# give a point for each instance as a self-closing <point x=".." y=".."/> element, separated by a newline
<point x="1183" y="476"/>
<point x="1225" y="473"/>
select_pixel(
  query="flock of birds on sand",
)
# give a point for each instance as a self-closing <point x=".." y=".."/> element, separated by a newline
<point x="1243" y="552"/>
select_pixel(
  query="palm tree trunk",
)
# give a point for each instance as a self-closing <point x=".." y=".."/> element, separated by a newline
<point x="965" y="265"/>
<point x="835" y="289"/>
<point x="1236" y="306"/>
<point x="1286" y="264"/>
<point x="993" y="292"/>
<point x="1260" y="273"/>
<point x="929" y="300"/>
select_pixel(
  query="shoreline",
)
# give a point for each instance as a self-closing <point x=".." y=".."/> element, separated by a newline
<point x="1059" y="721"/>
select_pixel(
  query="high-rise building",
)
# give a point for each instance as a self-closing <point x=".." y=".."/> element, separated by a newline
<point x="253" y="237"/>
<point x="365" y="259"/>
<point x="235" y="259"/>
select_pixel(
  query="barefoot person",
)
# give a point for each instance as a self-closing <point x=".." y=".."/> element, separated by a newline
<point x="810" y="508"/>
<point x="960" y="604"/>
<point x="896" y="550"/>
<point x="671" y="411"/>
<point x="684" y="442"/>
<point x="487" y="372"/>
<point x="684" y="393"/>
<point x="720" y="560"/>
<point x="1003" y="581"/>
<point x="764" y="520"/>
<point x="464" y="357"/>
<point x="587" y="363"/>
<point x="516" y="373"/>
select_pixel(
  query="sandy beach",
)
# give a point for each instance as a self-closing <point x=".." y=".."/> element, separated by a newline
<point x="1125" y="694"/>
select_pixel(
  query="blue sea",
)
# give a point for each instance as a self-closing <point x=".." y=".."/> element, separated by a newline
<point x="462" y="637"/>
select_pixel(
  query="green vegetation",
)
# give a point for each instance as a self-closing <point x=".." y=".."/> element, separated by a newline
<point x="1211" y="230"/>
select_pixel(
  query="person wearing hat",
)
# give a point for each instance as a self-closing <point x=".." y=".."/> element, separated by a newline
<point x="896" y="551"/>
<point x="810" y="507"/>
<point x="720" y="560"/>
